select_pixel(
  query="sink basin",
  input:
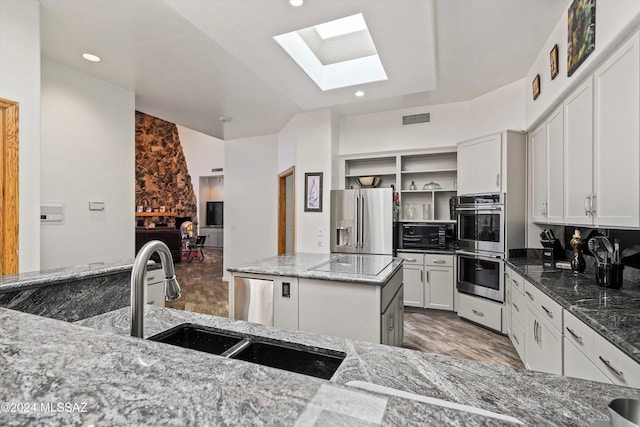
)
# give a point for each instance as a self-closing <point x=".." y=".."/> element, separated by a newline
<point x="198" y="338"/>
<point x="319" y="363"/>
<point x="312" y="361"/>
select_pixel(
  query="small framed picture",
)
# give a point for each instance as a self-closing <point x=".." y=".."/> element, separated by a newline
<point x="553" y="62"/>
<point x="535" y="87"/>
<point x="313" y="192"/>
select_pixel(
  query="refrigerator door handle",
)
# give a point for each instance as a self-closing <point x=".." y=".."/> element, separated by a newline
<point x="357" y="224"/>
<point x="362" y="221"/>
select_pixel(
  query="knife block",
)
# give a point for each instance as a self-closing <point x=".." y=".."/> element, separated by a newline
<point x="551" y="252"/>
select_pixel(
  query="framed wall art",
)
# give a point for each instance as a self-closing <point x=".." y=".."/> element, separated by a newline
<point x="535" y="87"/>
<point x="553" y="62"/>
<point x="313" y="192"/>
<point x="581" y="34"/>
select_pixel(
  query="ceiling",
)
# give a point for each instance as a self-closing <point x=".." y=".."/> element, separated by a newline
<point x="193" y="61"/>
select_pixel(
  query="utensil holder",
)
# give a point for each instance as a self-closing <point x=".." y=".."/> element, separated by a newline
<point x="609" y="275"/>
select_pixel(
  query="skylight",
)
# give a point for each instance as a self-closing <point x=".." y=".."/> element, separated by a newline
<point x="335" y="54"/>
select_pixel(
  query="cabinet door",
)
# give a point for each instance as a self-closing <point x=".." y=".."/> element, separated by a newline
<point x="616" y="135"/>
<point x="543" y="344"/>
<point x="413" y="281"/>
<point x="554" y="209"/>
<point x="539" y="174"/>
<point x="388" y="324"/>
<point x="479" y="165"/>
<point x="578" y="154"/>
<point x="399" y="332"/>
<point x="439" y="288"/>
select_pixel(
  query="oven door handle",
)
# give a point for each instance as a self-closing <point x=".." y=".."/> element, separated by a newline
<point x="481" y="208"/>
<point x="477" y="255"/>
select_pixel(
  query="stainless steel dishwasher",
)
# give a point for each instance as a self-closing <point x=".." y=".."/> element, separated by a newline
<point x="253" y="300"/>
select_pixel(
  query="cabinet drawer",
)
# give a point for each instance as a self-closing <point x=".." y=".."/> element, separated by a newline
<point x="515" y="280"/>
<point x="155" y="276"/>
<point x="411" y="258"/>
<point x="551" y="310"/>
<point x="481" y="311"/>
<point x="577" y="365"/>
<point x="518" y="307"/>
<point x="517" y="336"/>
<point x="616" y="365"/>
<point x="578" y="334"/>
<point x="155" y="294"/>
<point x="436" y="260"/>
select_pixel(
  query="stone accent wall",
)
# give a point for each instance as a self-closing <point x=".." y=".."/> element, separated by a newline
<point x="162" y="177"/>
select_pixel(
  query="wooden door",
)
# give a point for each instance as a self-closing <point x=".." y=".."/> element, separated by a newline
<point x="9" y="194"/>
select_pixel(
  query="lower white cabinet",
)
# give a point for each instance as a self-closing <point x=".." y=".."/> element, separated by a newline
<point x="285" y="302"/>
<point x="428" y="280"/>
<point x="543" y="344"/>
<point x="481" y="311"/>
<point x="155" y="287"/>
<point x="578" y="365"/>
<point x="391" y="321"/>
<point x="215" y="236"/>
<point x="617" y="366"/>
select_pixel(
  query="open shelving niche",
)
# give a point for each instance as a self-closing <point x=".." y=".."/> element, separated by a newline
<point x="402" y="168"/>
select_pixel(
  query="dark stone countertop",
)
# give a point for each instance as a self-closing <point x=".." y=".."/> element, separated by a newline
<point x="614" y="313"/>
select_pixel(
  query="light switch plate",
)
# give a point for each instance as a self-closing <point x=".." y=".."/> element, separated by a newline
<point x="96" y="206"/>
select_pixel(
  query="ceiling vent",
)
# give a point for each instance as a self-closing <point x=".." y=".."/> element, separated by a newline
<point x="416" y="118"/>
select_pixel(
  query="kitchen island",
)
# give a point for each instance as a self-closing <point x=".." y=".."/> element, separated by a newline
<point x="109" y="378"/>
<point x="354" y="296"/>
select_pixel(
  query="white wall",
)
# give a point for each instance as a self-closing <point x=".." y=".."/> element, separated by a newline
<point x="19" y="81"/>
<point x="88" y="154"/>
<point x="614" y="20"/>
<point x="251" y="199"/>
<point x="450" y="123"/>
<point x="203" y="153"/>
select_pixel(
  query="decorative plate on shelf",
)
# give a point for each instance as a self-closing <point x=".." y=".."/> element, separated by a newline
<point x="431" y="186"/>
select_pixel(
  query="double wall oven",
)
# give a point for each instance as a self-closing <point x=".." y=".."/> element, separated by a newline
<point x="481" y="238"/>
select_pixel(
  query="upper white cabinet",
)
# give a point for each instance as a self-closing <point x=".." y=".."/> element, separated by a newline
<point x="547" y="185"/>
<point x="480" y="165"/>
<point x="494" y="164"/>
<point x="616" y="130"/>
<point x="602" y="154"/>
<point x="578" y="154"/>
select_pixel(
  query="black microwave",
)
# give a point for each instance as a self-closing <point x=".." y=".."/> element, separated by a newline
<point x="425" y="236"/>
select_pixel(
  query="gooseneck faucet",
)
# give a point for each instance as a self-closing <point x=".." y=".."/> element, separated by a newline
<point x="138" y="285"/>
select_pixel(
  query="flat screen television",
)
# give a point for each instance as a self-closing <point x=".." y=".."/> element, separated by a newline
<point x="215" y="213"/>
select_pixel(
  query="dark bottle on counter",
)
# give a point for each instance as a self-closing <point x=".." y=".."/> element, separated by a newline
<point x="578" y="263"/>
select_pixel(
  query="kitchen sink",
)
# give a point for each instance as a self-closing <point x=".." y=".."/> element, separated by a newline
<point x="312" y="361"/>
<point x="199" y="338"/>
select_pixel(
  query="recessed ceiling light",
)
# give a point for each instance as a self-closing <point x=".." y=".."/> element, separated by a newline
<point x="359" y="93"/>
<point x="296" y="2"/>
<point x="91" y="57"/>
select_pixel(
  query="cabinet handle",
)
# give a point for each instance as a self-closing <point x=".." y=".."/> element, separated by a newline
<point x="427" y="273"/>
<point x="550" y="314"/>
<point x="529" y="295"/>
<point x="515" y="282"/>
<point x="421" y="276"/>
<point x="478" y="313"/>
<point x="516" y="307"/>
<point x="498" y="180"/>
<point x="575" y="336"/>
<point x="608" y="364"/>
<point x="591" y="203"/>
<point x="410" y="259"/>
<point x="539" y="334"/>
<point x="515" y="337"/>
<point x="391" y="325"/>
<point x="535" y="330"/>
<point x="439" y="261"/>
<point x="586" y="205"/>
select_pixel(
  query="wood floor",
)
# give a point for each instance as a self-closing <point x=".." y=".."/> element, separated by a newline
<point x="203" y="291"/>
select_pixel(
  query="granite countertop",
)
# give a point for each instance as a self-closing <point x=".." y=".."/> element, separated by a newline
<point x="119" y="380"/>
<point x="430" y="251"/>
<point x="305" y="265"/>
<point x="34" y="279"/>
<point x="614" y="313"/>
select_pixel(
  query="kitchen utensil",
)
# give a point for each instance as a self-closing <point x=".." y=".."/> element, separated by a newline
<point x="431" y="186"/>
<point x="616" y="251"/>
<point x="605" y="248"/>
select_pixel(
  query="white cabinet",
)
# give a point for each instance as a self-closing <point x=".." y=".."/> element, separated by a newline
<point x="428" y="280"/>
<point x="577" y="365"/>
<point x="481" y="311"/>
<point x="480" y="165"/>
<point x="543" y="344"/>
<point x="285" y="302"/>
<point x="391" y="322"/>
<point x="578" y="154"/>
<point x="155" y="287"/>
<point x="616" y="127"/>
<point x="439" y="282"/>
<point x="617" y="366"/>
<point x="602" y="154"/>
<point x="413" y="277"/>
<point x="547" y="181"/>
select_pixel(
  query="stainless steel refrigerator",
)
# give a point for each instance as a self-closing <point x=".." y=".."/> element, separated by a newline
<point x="362" y="221"/>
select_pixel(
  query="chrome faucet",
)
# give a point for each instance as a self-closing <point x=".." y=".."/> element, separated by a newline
<point x="138" y="285"/>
